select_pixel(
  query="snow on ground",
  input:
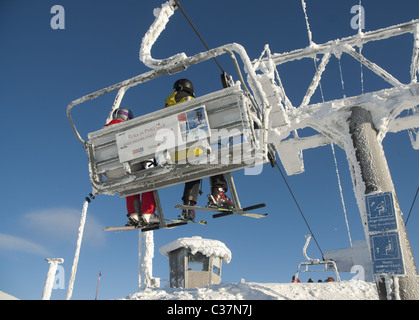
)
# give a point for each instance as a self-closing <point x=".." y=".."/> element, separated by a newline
<point x="344" y="290"/>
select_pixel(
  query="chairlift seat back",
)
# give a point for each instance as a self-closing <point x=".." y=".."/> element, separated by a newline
<point x="218" y="124"/>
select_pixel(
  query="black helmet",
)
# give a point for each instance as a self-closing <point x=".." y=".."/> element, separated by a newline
<point x="122" y="113"/>
<point x="184" y="85"/>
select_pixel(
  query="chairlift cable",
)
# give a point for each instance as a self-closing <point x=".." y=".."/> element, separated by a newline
<point x="413" y="203"/>
<point x="299" y="209"/>
<point x="197" y="33"/>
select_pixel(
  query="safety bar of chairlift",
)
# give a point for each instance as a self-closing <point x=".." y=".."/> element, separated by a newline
<point x="326" y="264"/>
<point x="174" y="68"/>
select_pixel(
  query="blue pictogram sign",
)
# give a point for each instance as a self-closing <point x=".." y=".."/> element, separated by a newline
<point x="386" y="253"/>
<point x="380" y="212"/>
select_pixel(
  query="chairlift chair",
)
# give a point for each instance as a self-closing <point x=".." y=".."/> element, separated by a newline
<point x="231" y="117"/>
<point x="116" y="152"/>
<point x="327" y="265"/>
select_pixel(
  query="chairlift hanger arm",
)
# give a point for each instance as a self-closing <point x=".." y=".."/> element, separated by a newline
<point x="167" y="10"/>
<point x="167" y="69"/>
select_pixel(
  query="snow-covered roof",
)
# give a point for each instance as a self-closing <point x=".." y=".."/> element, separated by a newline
<point x="6" y="296"/>
<point x="196" y="244"/>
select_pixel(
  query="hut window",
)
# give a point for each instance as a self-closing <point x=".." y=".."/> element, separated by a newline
<point x="216" y="265"/>
<point x="198" y="262"/>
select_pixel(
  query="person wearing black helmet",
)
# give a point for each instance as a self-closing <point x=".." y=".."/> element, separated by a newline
<point x="140" y="208"/>
<point x="183" y="90"/>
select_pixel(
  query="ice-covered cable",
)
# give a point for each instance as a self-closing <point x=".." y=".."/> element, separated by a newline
<point x="341" y="78"/>
<point x="341" y="194"/>
<point x="360" y="47"/>
<point x="310" y="35"/>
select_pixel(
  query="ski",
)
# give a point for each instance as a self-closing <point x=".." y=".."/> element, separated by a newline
<point x="146" y="228"/>
<point x="225" y="211"/>
<point x="168" y="226"/>
<point x="120" y="229"/>
<point x="244" y="212"/>
<point x="202" y="222"/>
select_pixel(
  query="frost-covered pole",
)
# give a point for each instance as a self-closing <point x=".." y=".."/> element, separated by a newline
<point x="77" y="253"/>
<point x="145" y="259"/>
<point x="372" y="175"/>
<point x="49" y="282"/>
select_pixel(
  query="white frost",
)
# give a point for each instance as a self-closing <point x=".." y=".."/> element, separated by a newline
<point x="145" y="259"/>
<point x="162" y="18"/>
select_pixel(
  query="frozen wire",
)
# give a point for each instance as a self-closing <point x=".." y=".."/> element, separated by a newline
<point x="310" y="35"/>
<point x="341" y="79"/>
<point x="360" y="47"/>
<point x="413" y="203"/>
<point x="197" y="33"/>
<point x="341" y="194"/>
<point x="310" y="39"/>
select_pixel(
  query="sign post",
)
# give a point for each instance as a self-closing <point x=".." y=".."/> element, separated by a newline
<point x="384" y="228"/>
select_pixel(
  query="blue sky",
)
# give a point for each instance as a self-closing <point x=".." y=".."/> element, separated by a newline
<point x="45" y="175"/>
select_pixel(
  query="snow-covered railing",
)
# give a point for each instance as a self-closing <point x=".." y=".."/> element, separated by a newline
<point x="346" y="45"/>
<point x="329" y="117"/>
<point x="358" y="40"/>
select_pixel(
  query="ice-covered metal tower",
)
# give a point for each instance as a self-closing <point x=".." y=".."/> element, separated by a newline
<point x="358" y="125"/>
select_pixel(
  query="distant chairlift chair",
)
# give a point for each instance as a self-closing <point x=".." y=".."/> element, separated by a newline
<point x="328" y="265"/>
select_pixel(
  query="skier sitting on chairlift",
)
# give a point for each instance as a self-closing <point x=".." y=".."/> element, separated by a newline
<point x="183" y="90"/>
<point x="140" y="208"/>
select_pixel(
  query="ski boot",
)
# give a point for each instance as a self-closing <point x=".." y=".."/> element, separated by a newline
<point x="133" y="220"/>
<point x="149" y="219"/>
<point x="218" y="199"/>
<point x="188" y="215"/>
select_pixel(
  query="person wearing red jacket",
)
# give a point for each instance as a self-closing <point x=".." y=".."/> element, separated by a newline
<point x="140" y="208"/>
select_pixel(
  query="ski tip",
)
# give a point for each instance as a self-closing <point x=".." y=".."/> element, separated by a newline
<point x="119" y="229"/>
